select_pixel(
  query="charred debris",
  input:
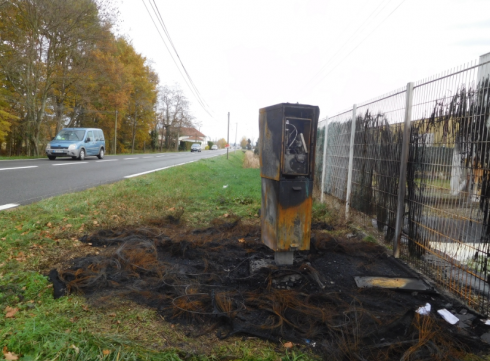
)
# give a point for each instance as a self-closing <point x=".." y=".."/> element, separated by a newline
<point x="222" y="279"/>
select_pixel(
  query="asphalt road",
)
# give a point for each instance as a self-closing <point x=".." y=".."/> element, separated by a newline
<point x="27" y="181"/>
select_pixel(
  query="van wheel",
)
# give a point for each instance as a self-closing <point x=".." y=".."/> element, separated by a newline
<point x="101" y="153"/>
<point x="82" y="154"/>
<point x="51" y="157"/>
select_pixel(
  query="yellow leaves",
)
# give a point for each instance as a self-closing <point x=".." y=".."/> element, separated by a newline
<point x="10" y="356"/>
<point x="288" y="345"/>
<point x="10" y="312"/>
<point x="241" y="240"/>
<point x="106" y="352"/>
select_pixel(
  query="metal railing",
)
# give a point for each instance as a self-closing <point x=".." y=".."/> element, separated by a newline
<point x="417" y="161"/>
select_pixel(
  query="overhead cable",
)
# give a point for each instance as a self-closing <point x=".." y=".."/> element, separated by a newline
<point x="190" y="86"/>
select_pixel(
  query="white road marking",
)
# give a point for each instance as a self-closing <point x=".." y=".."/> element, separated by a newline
<point x="7" y="206"/>
<point x="129" y="158"/>
<point x="54" y="165"/>
<point x="159" y="156"/>
<point x="147" y="157"/>
<point x="31" y="166"/>
<point x="150" y="171"/>
<point x="156" y="170"/>
<point x="106" y="160"/>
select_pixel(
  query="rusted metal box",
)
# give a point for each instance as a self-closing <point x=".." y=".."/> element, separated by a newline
<point x="287" y="135"/>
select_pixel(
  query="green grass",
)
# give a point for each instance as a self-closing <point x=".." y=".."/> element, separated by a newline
<point x="20" y="157"/>
<point x="37" y="237"/>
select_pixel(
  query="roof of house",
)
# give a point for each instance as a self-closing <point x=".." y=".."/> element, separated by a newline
<point x="191" y="132"/>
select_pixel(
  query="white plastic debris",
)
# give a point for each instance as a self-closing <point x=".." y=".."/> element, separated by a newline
<point x="448" y="316"/>
<point x="486" y="322"/>
<point x="225" y="186"/>
<point x="424" y="310"/>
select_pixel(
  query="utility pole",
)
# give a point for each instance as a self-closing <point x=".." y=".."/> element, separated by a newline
<point x="228" y="137"/>
<point x="134" y="125"/>
<point x="236" y="132"/>
<point x="115" y="136"/>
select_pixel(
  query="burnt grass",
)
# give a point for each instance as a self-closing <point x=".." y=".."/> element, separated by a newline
<point x="202" y="279"/>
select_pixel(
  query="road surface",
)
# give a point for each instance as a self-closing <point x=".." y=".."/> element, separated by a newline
<point x="27" y="181"/>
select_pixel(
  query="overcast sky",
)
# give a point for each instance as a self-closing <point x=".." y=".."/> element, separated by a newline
<point x="245" y="55"/>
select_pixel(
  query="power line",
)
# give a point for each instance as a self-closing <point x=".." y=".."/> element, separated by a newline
<point x="187" y="79"/>
<point x="176" y="52"/>
<point x="171" y="56"/>
<point x="359" y="44"/>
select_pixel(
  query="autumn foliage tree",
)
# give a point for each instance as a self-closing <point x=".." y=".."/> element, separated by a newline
<point x="61" y="66"/>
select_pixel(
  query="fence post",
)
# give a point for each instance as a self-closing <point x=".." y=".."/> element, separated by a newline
<point x="351" y="161"/>
<point x="324" y="160"/>
<point x="400" y="209"/>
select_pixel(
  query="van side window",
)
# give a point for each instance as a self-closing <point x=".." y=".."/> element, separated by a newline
<point x="90" y="135"/>
<point x="101" y="135"/>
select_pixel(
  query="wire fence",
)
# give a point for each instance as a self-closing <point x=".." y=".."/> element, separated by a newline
<point x="442" y="125"/>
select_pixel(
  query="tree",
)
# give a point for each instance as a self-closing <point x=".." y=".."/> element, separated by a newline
<point x="39" y="38"/>
<point x="221" y="143"/>
<point x="174" y="113"/>
<point x="243" y="143"/>
<point x="210" y="144"/>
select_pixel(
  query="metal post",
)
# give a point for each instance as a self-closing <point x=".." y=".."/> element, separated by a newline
<point x="115" y="136"/>
<point x="351" y="161"/>
<point x="236" y="132"/>
<point x="228" y="137"/>
<point x="400" y="209"/>
<point x="324" y="160"/>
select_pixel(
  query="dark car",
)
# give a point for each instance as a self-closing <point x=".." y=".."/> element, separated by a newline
<point x="196" y="147"/>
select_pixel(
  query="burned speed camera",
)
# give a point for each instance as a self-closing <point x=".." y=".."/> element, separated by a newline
<point x="287" y="155"/>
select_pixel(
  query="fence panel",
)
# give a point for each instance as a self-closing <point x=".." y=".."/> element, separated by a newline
<point x="320" y="141"/>
<point x="446" y="231"/>
<point x="376" y="163"/>
<point x="448" y="188"/>
<point x="337" y="155"/>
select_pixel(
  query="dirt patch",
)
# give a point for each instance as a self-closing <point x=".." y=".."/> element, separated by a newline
<point x="202" y="279"/>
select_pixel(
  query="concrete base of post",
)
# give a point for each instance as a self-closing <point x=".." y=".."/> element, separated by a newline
<point x="284" y="258"/>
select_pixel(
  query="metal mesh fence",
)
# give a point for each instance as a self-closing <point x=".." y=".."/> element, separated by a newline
<point x="447" y="199"/>
<point x="320" y="143"/>
<point x="337" y="156"/>
<point x="445" y="227"/>
<point x="376" y="162"/>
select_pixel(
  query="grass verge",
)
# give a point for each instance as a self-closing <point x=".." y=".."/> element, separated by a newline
<point x="38" y="237"/>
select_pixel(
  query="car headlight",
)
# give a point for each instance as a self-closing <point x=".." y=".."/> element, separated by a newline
<point x="48" y="147"/>
<point x="72" y="146"/>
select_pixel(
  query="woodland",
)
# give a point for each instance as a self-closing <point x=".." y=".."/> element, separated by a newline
<point x="62" y="64"/>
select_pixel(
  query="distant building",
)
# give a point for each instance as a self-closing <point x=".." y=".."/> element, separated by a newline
<point x="191" y="135"/>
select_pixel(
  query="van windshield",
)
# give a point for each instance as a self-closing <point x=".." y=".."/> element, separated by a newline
<point x="70" y="135"/>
